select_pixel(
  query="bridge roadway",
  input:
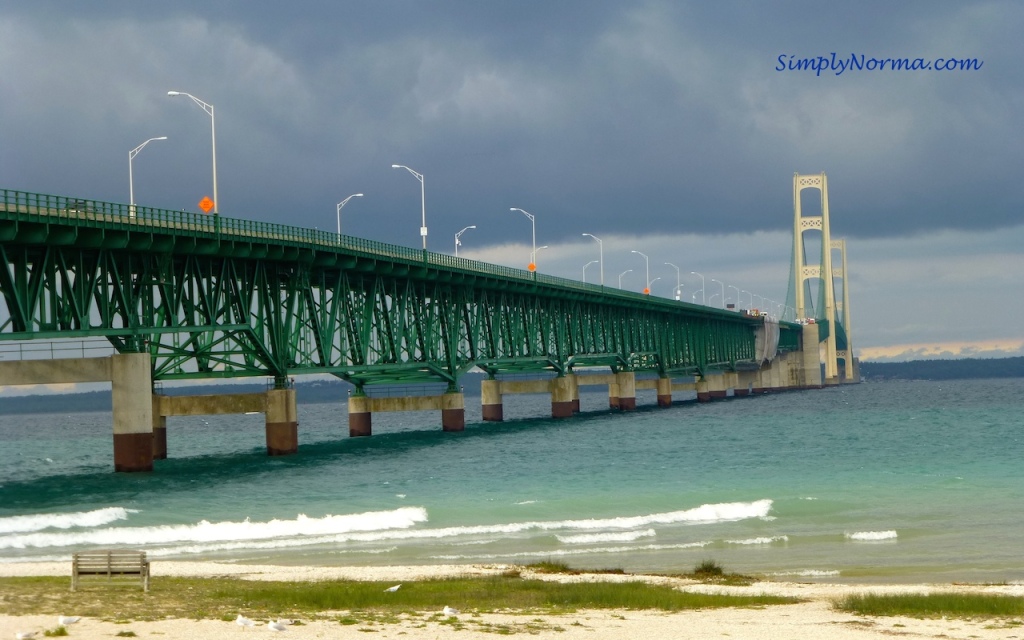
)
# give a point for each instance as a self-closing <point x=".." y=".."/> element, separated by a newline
<point x="187" y="296"/>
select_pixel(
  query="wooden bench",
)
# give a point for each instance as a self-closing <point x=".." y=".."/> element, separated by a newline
<point x="111" y="563"/>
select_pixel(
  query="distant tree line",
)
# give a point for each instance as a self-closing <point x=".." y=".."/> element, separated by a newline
<point x="944" y="369"/>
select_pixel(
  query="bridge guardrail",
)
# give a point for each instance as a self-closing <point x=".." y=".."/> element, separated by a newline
<point x="118" y="216"/>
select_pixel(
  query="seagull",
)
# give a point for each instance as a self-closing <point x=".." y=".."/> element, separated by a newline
<point x="448" y="611"/>
<point x="394" y="588"/>
<point x="25" y="635"/>
<point x="285" y="621"/>
<point x="65" y="620"/>
<point x="277" y="626"/>
<point x="242" y="621"/>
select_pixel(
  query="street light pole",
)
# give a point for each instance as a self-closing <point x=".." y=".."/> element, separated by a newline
<point x="533" y="225"/>
<point x="342" y="204"/>
<point x="600" y="248"/>
<point x="737" y="295"/>
<point x="423" y="200"/>
<point x="622" y="274"/>
<point x="585" y="270"/>
<point x="679" y="282"/>
<point x="702" y="300"/>
<point x="459" y="235"/>
<point x="647" y="261"/>
<point x="723" y="290"/>
<point x="208" y="108"/>
<point x="131" y="182"/>
<point x="648" y="290"/>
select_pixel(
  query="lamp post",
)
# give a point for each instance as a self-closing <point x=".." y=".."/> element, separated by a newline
<point x="423" y="200"/>
<point x="585" y="270"/>
<point x="694" y="296"/>
<point x="648" y="289"/>
<point x="679" y="283"/>
<point x="459" y="235"/>
<point x="208" y="108"/>
<point x="622" y="274"/>
<point x="536" y="251"/>
<point x="737" y="295"/>
<point x="342" y="204"/>
<point x="751" y="296"/>
<point x="600" y="249"/>
<point x="131" y="183"/>
<point x="723" y="291"/>
<point x="702" y="301"/>
<point x="533" y="225"/>
<point x="678" y="292"/>
<point x="647" y="261"/>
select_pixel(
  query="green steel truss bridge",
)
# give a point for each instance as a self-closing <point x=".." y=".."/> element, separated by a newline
<point x="215" y="297"/>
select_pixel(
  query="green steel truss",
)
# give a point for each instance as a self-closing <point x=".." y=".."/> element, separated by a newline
<point x="219" y="297"/>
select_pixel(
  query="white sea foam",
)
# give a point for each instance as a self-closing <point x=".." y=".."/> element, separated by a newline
<point x="808" y="573"/>
<point x="235" y="532"/>
<point x="594" y="538"/>
<point x="871" y="536"/>
<point x="571" y="552"/>
<point x="372" y="527"/>
<point x="43" y="521"/>
<point x="761" y="540"/>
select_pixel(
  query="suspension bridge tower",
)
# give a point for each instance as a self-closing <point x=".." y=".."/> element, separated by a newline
<point x="832" y="317"/>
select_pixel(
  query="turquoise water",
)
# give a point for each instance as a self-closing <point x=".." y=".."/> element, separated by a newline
<point x="890" y="481"/>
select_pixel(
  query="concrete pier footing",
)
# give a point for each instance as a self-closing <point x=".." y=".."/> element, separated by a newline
<point x="131" y="387"/>
<point x="361" y="409"/>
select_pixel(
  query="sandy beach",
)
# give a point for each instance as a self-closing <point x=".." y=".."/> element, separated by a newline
<point x="814" y="618"/>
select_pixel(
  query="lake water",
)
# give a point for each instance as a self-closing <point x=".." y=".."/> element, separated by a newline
<point x="893" y="481"/>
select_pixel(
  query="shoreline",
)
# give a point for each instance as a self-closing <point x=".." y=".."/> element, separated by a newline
<point x="814" y="617"/>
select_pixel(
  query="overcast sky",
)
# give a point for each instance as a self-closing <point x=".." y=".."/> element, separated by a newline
<point x="664" y="127"/>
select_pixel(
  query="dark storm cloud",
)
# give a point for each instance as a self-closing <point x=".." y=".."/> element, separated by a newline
<point x="640" y="117"/>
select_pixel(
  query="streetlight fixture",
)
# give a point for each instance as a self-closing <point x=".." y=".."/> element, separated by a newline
<point x="702" y="300"/>
<point x="533" y="225"/>
<point x="585" y="270"/>
<point x="751" y="296"/>
<point x="678" y="291"/>
<point x="737" y="295"/>
<point x="342" y="204"/>
<point x="131" y="183"/>
<point x="208" y="108"/>
<point x="600" y="248"/>
<point x="423" y="200"/>
<point x="679" y="283"/>
<point x="459" y="235"/>
<point x="647" y="261"/>
<point x="694" y="296"/>
<point x="648" y="289"/>
<point x="622" y="274"/>
<point x="723" y="291"/>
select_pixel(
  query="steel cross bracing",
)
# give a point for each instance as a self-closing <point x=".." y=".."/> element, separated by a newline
<point x="217" y="297"/>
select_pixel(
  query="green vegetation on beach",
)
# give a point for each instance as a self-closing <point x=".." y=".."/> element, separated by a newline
<point x="933" y="605"/>
<point x="224" y="598"/>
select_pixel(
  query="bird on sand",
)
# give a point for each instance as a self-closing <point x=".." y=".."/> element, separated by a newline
<point x="448" y="611"/>
<point x="394" y="588"/>
<point x="242" y="621"/>
<point x="25" y="635"/>
<point x="277" y="626"/>
<point x="65" y="620"/>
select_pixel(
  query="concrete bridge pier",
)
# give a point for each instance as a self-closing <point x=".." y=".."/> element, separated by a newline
<point x="711" y="387"/>
<point x="360" y="418"/>
<point x="361" y="408"/>
<point x="159" y="431"/>
<point x="562" y="397"/>
<point x="743" y="383"/>
<point x="613" y="394"/>
<point x="626" y="383"/>
<point x="131" y="397"/>
<point x="810" y="367"/>
<point x="282" y="423"/>
<point x="665" y="392"/>
<point x="490" y="400"/>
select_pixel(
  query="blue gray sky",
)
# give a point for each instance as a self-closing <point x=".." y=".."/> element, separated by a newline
<point x="659" y="126"/>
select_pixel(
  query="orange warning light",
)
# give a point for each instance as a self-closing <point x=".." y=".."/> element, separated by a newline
<point x="531" y="267"/>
